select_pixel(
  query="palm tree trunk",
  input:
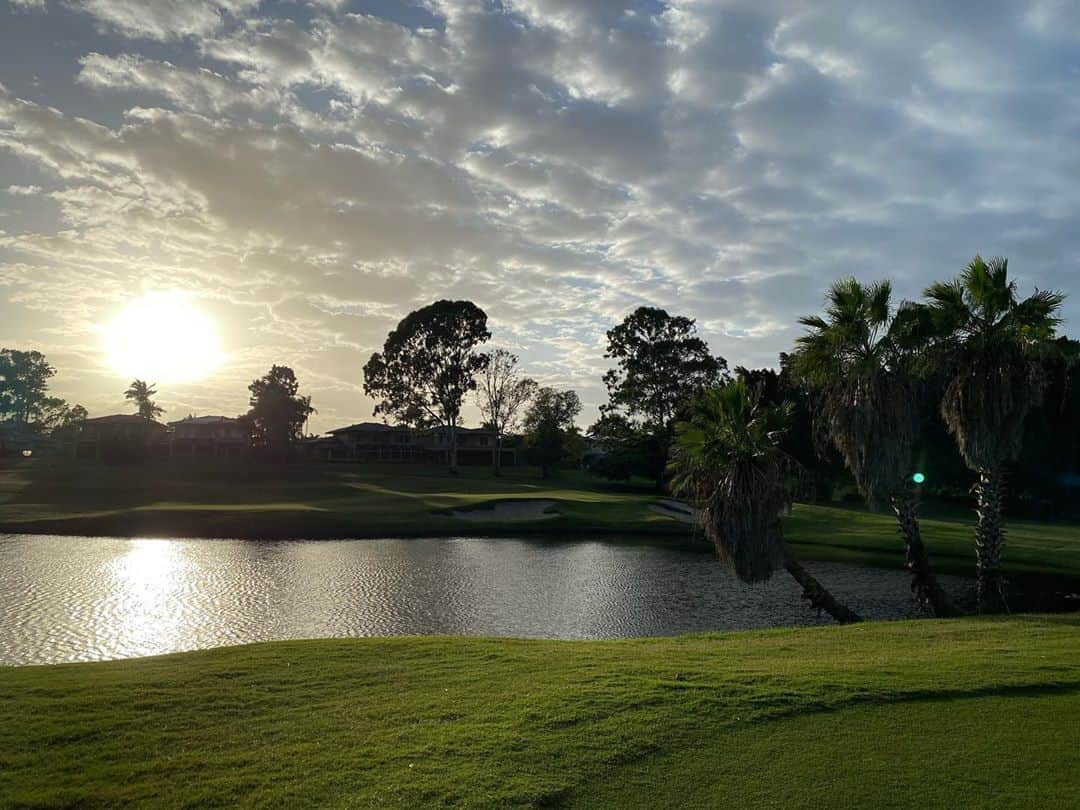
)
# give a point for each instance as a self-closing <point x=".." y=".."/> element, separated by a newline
<point x="819" y="598"/>
<point x="989" y="540"/>
<point x="924" y="583"/>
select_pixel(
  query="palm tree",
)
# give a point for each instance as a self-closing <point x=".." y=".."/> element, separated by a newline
<point x="727" y="461"/>
<point x="988" y="345"/>
<point x="867" y="405"/>
<point x="141" y="394"/>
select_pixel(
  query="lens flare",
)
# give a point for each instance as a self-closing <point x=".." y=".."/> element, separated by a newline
<point x="918" y="478"/>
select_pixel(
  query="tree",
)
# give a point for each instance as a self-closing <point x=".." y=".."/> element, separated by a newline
<point x="278" y="412"/>
<point x="60" y="420"/>
<point x="501" y="395"/>
<point x="141" y="395"/>
<point x="856" y="362"/>
<point x="661" y="364"/>
<point x="822" y="469"/>
<point x="987" y="343"/>
<point x="727" y="461"/>
<point x="1044" y="479"/>
<point x="550" y="433"/>
<point x="24" y="381"/>
<point x="428" y="364"/>
<point x="627" y="449"/>
<point x="56" y="415"/>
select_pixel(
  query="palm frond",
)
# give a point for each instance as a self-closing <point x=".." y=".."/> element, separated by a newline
<point x="727" y="461"/>
<point x="1036" y="316"/>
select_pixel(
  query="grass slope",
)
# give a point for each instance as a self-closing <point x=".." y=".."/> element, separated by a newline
<point x="962" y="713"/>
<point x="397" y="500"/>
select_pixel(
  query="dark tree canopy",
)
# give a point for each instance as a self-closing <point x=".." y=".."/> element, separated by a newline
<point x="627" y="449"/>
<point x="142" y="396"/>
<point x="24" y="381"/>
<point x="989" y="343"/>
<point x="278" y="412"/>
<point x="428" y="364"/>
<point x="56" y="416"/>
<point x="661" y="364"/>
<point x="550" y="434"/>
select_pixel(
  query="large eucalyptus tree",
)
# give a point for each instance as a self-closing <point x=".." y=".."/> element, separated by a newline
<point x="856" y="361"/>
<point x="988" y="345"/>
<point x="428" y="364"/>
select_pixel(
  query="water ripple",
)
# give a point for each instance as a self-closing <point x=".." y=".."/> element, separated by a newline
<point x="89" y="598"/>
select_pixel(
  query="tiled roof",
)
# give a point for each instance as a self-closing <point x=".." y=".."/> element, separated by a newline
<point x="370" y="427"/>
<point x="205" y="420"/>
<point x="122" y="419"/>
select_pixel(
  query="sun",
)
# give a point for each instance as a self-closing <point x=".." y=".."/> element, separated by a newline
<point x="162" y="337"/>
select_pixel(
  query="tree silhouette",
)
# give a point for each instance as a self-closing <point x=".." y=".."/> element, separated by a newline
<point x="278" y="411"/>
<point x="988" y="345"/>
<point x="428" y="364"/>
<point x="856" y="360"/>
<point x="500" y="395"/>
<point x="24" y="381"/>
<point x="661" y="364"/>
<point x="549" y="427"/>
<point x="728" y="462"/>
<point x="141" y="394"/>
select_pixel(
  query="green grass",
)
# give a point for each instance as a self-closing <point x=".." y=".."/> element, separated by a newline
<point x="407" y="501"/>
<point x="960" y="713"/>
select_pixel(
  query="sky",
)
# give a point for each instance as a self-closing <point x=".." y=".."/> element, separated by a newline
<point x="306" y="173"/>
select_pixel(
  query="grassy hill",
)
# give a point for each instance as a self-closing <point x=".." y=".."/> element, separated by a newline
<point x="960" y="713"/>
<point x="315" y="501"/>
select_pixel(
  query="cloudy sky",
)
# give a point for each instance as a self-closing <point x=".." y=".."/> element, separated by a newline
<point x="307" y="172"/>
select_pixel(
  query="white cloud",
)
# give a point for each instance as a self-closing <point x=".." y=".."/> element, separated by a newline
<point x="312" y="178"/>
<point x="164" y="19"/>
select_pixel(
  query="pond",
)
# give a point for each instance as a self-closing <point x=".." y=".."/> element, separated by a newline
<point x="89" y="598"/>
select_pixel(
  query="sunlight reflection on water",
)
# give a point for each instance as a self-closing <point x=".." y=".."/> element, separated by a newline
<point x="87" y="598"/>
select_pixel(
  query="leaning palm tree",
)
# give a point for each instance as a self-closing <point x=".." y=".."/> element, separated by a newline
<point x="988" y="346"/>
<point x="855" y="360"/>
<point x="141" y="395"/>
<point x="727" y="461"/>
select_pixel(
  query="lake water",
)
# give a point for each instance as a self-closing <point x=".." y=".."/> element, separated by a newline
<point x="89" y="598"/>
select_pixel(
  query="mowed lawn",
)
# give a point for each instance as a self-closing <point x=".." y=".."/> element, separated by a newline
<point x="957" y="713"/>
<point x="314" y="501"/>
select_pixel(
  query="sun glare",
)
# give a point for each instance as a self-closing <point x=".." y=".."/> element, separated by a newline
<point x="162" y="337"/>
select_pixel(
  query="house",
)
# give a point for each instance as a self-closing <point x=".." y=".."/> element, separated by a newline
<point x="322" y="448"/>
<point x="373" y="441"/>
<point x="475" y="446"/>
<point x="208" y="436"/>
<point x="121" y="437"/>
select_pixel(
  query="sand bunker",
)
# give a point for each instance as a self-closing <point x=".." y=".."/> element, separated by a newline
<point x="509" y="511"/>
<point x="676" y="510"/>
